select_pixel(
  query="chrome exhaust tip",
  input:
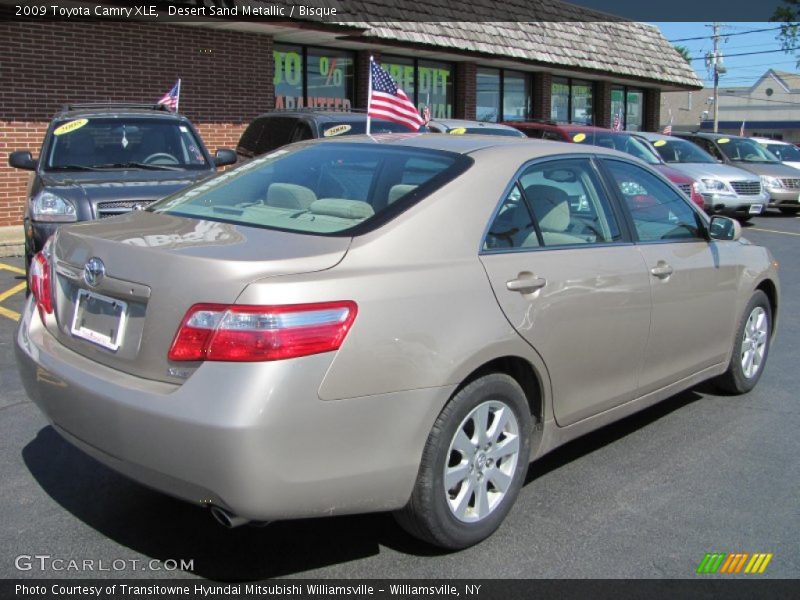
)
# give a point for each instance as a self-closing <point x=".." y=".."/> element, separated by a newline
<point x="227" y="519"/>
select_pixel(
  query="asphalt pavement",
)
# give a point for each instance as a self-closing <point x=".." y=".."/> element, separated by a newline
<point x="647" y="497"/>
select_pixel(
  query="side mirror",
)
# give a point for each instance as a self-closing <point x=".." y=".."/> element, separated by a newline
<point x="22" y="159"/>
<point x="723" y="228"/>
<point x="224" y="156"/>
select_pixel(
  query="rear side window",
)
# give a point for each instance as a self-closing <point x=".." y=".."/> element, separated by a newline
<point x="557" y="203"/>
<point x="249" y="140"/>
<point x="331" y="188"/>
<point x="658" y="212"/>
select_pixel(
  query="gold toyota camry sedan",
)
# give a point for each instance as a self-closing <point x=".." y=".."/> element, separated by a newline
<point x="395" y="323"/>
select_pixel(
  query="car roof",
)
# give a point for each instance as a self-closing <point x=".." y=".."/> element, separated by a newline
<point x="649" y="135"/>
<point x="469" y="144"/>
<point x="709" y="136"/>
<point x="455" y="123"/>
<point x="90" y="112"/>
<point x="762" y="140"/>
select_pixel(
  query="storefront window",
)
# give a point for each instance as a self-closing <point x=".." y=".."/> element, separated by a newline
<point x="559" y="101"/>
<point x="581" y="102"/>
<point x="634" y="111"/>
<point x="314" y="77"/>
<point x="427" y="83"/>
<point x="571" y="101"/>
<point x="488" y="94"/>
<point x="629" y="104"/>
<point x="516" y="95"/>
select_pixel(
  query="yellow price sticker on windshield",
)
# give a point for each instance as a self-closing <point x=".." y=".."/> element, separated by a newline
<point x="458" y="131"/>
<point x="723" y="140"/>
<point x="579" y="137"/>
<point x="659" y="143"/>
<point x="70" y="127"/>
<point x="337" y="130"/>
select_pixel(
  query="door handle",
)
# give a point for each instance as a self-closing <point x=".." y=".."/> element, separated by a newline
<point x="662" y="270"/>
<point x="526" y="283"/>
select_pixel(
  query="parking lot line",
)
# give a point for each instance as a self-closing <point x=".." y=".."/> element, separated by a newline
<point x="772" y="231"/>
<point x="10" y="314"/>
<point x="12" y="268"/>
<point x="14" y="290"/>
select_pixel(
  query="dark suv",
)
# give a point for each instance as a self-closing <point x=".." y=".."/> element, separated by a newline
<point x="274" y="129"/>
<point x="101" y="160"/>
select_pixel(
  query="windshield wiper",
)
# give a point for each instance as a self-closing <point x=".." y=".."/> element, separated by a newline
<point x="72" y="168"/>
<point x="139" y="165"/>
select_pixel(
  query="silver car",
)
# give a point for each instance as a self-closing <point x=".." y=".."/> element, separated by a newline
<point x="462" y="127"/>
<point x="726" y="189"/>
<point x="395" y="323"/>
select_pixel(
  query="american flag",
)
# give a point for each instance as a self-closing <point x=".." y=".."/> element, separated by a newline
<point x="170" y="99"/>
<point x="741" y="129"/>
<point x="668" y="129"/>
<point x="617" y="126"/>
<point x="387" y="101"/>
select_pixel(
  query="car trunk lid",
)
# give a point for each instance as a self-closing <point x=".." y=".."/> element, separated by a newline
<point x="154" y="267"/>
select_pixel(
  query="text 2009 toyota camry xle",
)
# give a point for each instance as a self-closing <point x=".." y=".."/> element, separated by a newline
<point x="398" y="324"/>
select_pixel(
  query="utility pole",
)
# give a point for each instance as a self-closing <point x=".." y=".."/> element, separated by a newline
<point x="716" y="63"/>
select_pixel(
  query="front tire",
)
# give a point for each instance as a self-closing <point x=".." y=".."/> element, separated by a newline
<point x="473" y="465"/>
<point x="751" y="347"/>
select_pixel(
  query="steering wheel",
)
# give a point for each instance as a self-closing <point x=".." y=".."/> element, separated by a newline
<point x="161" y="158"/>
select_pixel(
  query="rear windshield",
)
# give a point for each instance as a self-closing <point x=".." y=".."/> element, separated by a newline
<point x="681" y="151"/>
<point x="320" y="188"/>
<point x="618" y="141"/>
<point x="112" y="143"/>
<point x="358" y="127"/>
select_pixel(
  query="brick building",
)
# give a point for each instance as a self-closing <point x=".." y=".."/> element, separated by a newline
<point x="560" y="67"/>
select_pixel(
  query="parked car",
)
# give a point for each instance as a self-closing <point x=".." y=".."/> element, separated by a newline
<point x="387" y="324"/>
<point x="619" y="140"/>
<point x="281" y="127"/>
<point x="727" y="190"/>
<point x="787" y="153"/>
<point x="461" y="126"/>
<point x="780" y="181"/>
<point x="101" y="160"/>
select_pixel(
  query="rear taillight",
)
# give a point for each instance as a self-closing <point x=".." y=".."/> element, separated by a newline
<point x="255" y="333"/>
<point x="39" y="283"/>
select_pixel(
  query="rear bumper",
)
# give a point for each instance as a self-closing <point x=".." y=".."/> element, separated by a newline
<point x="253" y="438"/>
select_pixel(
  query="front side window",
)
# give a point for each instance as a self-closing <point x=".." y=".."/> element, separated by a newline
<point x="553" y="204"/>
<point x="318" y="188"/>
<point x="107" y="143"/>
<point x="659" y="213"/>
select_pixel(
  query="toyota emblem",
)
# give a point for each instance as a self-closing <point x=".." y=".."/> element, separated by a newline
<point x="94" y="271"/>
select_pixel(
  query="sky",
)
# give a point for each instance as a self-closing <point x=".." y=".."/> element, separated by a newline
<point x="737" y="39"/>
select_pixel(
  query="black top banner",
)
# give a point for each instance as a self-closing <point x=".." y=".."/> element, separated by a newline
<point x="375" y="11"/>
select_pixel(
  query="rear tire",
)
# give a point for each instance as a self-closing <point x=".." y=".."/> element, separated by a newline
<point x="750" y="348"/>
<point x="791" y="212"/>
<point x="473" y="465"/>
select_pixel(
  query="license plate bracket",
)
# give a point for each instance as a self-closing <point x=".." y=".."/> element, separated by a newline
<point x="99" y="319"/>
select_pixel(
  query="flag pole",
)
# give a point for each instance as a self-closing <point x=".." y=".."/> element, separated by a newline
<point x="178" y="99"/>
<point x="369" y="92"/>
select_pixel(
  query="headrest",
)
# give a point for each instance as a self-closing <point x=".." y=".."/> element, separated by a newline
<point x="289" y="195"/>
<point x="398" y="191"/>
<point x="550" y="205"/>
<point x="341" y="207"/>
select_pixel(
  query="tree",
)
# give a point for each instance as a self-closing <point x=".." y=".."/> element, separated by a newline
<point x="684" y="52"/>
<point x="788" y="16"/>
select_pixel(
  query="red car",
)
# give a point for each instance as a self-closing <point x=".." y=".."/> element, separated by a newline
<point x="619" y="140"/>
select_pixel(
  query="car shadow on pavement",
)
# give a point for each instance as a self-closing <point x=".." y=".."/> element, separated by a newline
<point x="159" y="527"/>
<point x="611" y="433"/>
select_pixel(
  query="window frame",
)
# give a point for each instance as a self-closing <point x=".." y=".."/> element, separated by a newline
<point x="570" y="81"/>
<point x="700" y="216"/>
<point x="625" y="89"/>
<point x="415" y="63"/>
<point x="303" y="51"/>
<point x="617" y="210"/>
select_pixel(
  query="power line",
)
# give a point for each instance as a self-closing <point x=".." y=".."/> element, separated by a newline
<point x="706" y="37"/>
<point x="742" y="54"/>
